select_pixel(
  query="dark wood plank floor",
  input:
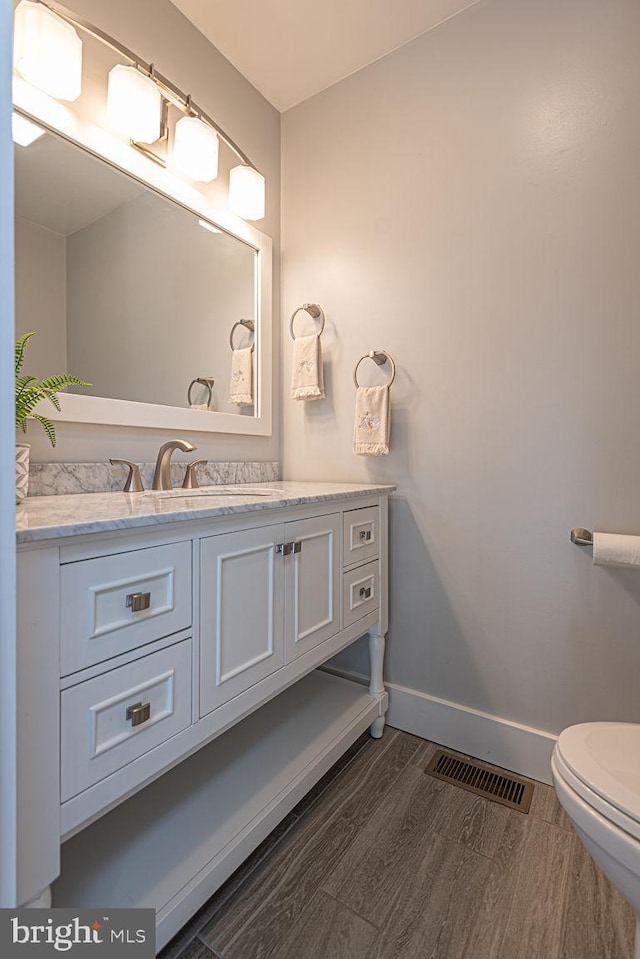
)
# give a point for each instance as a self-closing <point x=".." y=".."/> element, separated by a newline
<point x="384" y="862"/>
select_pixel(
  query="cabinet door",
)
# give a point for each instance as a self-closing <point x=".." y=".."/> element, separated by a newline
<point x="242" y="620"/>
<point x="312" y="583"/>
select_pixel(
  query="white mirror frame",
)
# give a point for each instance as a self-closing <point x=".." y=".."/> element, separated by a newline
<point x="76" y="408"/>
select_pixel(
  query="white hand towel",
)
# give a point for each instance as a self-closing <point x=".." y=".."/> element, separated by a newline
<point x="611" y="549"/>
<point x="241" y="386"/>
<point x="307" y="381"/>
<point x="371" y="432"/>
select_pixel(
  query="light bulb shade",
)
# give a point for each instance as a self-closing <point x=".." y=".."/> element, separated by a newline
<point x="134" y="104"/>
<point x="246" y="192"/>
<point x="195" y="150"/>
<point x="24" y="132"/>
<point x="47" y="51"/>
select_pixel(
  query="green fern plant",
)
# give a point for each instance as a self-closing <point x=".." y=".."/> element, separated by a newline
<point x="30" y="391"/>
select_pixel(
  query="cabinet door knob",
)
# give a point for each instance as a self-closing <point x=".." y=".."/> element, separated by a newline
<point x="296" y="547"/>
<point x="365" y="534"/>
<point x="138" y="601"/>
<point x="365" y="592"/>
<point x="138" y="713"/>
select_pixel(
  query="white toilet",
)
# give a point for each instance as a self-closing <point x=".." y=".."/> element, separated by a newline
<point x="596" y="773"/>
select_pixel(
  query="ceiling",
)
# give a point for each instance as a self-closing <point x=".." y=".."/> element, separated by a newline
<point x="291" y="49"/>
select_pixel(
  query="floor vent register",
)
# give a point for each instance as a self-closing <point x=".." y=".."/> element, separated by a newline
<point x="480" y="778"/>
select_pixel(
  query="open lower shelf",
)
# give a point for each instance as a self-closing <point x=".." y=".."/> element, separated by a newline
<point x="174" y="843"/>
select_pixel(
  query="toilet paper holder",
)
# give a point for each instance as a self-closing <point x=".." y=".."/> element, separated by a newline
<point x="582" y="537"/>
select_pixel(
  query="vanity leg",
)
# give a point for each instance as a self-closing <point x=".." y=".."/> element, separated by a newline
<point x="42" y="901"/>
<point x="376" y="684"/>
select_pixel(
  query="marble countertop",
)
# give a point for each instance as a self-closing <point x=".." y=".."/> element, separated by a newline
<point x="75" y="514"/>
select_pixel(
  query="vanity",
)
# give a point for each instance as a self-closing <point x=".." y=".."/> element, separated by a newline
<point x="171" y="706"/>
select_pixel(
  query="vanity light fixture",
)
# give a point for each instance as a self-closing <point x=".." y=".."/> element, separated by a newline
<point x="246" y="192"/>
<point x="47" y="51"/>
<point x="24" y="132"/>
<point x="48" y="54"/>
<point x="134" y="104"/>
<point x="195" y="150"/>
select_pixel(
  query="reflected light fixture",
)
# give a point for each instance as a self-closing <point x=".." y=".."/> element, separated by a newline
<point x="195" y="150"/>
<point x="209" y="226"/>
<point x="47" y="51"/>
<point x="24" y="132"/>
<point x="246" y="192"/>
<point x="134" y="104"/>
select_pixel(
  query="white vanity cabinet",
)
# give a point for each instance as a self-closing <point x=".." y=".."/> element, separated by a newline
<point x="267" y="596"/>
<point x="98" y="618"/>
<point x="242" y="612"/>
<point x="312" y="583"/>
<point x="172" y="710"/>
<point x="109" y="721"/>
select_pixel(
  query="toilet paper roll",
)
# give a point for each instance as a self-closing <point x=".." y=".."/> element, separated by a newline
<point x="613" y="549"/>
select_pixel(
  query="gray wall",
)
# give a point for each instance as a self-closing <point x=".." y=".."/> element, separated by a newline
<point x="147" y="278"/>
<point x="158" y="32"/>
<point x="472" y="204"/>
<point x="41" y="298"/>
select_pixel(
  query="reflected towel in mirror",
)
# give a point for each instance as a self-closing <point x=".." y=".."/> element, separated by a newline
<point x="241" y="385"/>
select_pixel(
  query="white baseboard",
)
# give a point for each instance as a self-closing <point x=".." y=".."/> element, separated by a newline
<point x="521" y="749"/>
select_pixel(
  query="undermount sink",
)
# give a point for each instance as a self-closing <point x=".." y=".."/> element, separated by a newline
<point x="205" y="491"/>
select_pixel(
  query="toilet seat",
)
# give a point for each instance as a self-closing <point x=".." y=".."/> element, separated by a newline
<point x="601" y="763"/>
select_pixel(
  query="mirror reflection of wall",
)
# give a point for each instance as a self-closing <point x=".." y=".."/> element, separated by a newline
<point x="123" y="286"/>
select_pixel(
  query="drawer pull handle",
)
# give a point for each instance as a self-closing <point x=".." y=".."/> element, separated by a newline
<point x="138" y="713"/>
<point x="296" y="547"/>
<point x="138" y="601"/>
<point x="365" y="535"/>
<point x="365" y="592"/>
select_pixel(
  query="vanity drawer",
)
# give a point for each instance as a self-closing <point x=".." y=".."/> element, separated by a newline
<point x="98" y="735"/>
<point x="360" y="539"/>
<point x="360" y="593"/>
<point x="98" y="615"/>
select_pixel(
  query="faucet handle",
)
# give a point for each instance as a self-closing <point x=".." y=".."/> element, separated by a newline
<point x="190" y="477"/>
<point x="133" y="482"/>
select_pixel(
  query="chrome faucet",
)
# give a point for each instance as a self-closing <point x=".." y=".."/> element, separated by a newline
<point x="162" y="475"/>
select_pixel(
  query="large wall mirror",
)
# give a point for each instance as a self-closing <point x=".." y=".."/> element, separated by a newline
<point x="139" y="292"/>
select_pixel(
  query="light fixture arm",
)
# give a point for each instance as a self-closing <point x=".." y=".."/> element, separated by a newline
<point x="169" y="90"/>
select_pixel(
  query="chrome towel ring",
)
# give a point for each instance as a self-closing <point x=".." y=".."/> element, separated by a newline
<point x="249" y="324"/>
<point x="380" y="357"/>
<point x="314" y="311"/>
<point x="207" y="382"/>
